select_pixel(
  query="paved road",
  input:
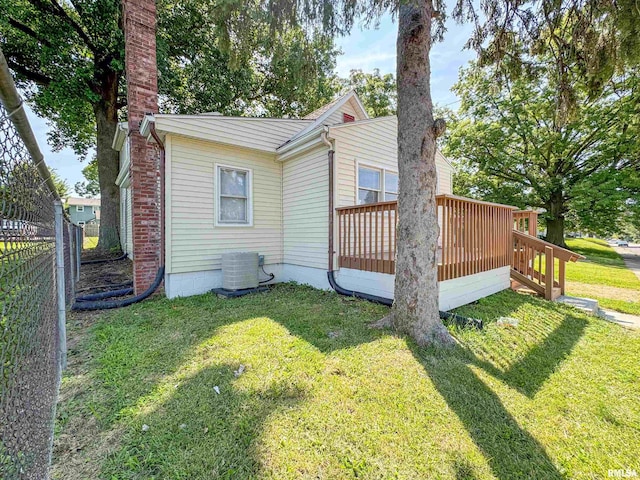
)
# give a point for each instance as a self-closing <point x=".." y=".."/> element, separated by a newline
<point x="631" y="256"/>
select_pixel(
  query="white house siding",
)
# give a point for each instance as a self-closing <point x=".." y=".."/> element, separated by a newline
<point x="305" y="204"/>
<point x="126" y="237"/>
<point x="252" y="133"/>
<point x="372" y="143"/>
<point x="195" y="244"/>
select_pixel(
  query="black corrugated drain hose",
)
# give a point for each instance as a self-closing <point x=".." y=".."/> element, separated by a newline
<point x="457" y="319"/>
<point x="107" y="294"/>
<point x="106" y="304"/>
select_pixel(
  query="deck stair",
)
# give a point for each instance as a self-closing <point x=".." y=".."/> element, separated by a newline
<point x="539" y="265"/>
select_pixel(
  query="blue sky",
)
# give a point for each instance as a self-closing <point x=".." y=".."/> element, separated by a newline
<point x="364" y="49"/>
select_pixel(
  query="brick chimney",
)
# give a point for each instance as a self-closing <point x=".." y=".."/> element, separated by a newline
<point x="142" y="98"/>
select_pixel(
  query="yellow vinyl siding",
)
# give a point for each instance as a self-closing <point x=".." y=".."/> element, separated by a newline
<point x="305" y="205"/>
<point x="372" y="143"/>
<point x="445" y="174"/>
<point x="348" y="108"/>
<point x="195" y="242"/>
<point x="252" y="133"/>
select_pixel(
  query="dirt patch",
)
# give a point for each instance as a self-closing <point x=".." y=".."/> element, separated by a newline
<point x="98" y="277"/>
<point x="603" y="291"/>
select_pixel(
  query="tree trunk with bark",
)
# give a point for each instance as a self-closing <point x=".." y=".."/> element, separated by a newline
<point x="106" y="114"/>
<point x="555" y="219"/>
<point x="415" y="310"/>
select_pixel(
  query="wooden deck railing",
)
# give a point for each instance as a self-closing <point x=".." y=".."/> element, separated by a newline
<point x="526" y="221"/>
<point x="475" y="236"/>
<point x="367" y="237"/>
<point x="534" y="265"/>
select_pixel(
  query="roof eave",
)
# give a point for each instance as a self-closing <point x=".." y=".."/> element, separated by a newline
<point x="119" y="137"/>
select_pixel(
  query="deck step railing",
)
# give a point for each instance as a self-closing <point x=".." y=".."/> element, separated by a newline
<point x="540" y="265"/>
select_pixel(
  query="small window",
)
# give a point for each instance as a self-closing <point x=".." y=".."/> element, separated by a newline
<point x="79" y="208"/>
<point x="234" y="202"/>
<point x="346" y="118"/>
<point x="390" y="186"/>
<point x="94" y="209"/>
<point x="81" y="224"/>
<point x="369" y="185"/>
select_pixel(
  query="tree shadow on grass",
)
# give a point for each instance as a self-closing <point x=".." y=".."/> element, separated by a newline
<point x="529" y="373"/>
<point x="219" y="442"/>
<point x="510" y="450"/>
<point x="327" y="322"/>
<point x="526" y="356"/>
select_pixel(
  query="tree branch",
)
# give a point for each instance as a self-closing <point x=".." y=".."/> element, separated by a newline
<point x="37" y="77"/>
<point x="28" y="31"/>
<point x="55" y="8"/>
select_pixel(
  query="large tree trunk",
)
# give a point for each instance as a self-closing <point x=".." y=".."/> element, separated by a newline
<point x="415" y="310"/>
<point x="555" y="219"/>
<point x="106" y="114"/>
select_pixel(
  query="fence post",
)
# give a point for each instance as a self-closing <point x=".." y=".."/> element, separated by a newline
<point x="72" y="259"/>
<point x="78" y="234"/>
<point x="60" y="285"/>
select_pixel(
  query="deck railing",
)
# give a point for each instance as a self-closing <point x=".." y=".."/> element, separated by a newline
<point x="367" y="237"/>
<point x="526" y="221"/>
<point x="475" y="236"/>
<point x="540" y="265"/>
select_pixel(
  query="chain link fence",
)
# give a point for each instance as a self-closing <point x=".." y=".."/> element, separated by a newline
<point x="38" y="268"/>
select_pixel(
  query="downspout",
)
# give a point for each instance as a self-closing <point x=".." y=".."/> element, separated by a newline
<point x="82" y="304"/>
<point x="330" y="271"/>
<point x="458" y="319"/>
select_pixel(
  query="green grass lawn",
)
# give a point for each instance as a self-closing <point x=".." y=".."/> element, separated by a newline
<point x="603" y="276"/>
<point x="323" y="396"/>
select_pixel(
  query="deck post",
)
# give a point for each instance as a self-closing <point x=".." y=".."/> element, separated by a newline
<point x="548" y="276"/>
<point x="561" y="275"/>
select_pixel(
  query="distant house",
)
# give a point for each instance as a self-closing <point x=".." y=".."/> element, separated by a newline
<point x="84" y="211"/>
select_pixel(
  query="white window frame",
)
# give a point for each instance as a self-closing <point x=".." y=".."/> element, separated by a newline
<point x="358" y="187"/>
<point x="79" y="208"/>
<point x="94" y="209"/>
<point x="81" y="223"/>
<point x="249" y="223"/>
<point x="383" y="187"/>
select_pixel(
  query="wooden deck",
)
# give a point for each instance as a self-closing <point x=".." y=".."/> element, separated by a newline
<point x="475" y="237"/>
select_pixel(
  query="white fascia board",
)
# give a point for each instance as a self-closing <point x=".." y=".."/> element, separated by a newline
<point x="119" y="137"/>
<point x="300" y="144"/>
<point x="145" y="125"/>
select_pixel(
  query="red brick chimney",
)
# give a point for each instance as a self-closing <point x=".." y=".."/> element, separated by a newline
<point x="142" y="98"/>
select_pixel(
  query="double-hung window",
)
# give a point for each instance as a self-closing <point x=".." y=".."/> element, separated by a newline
<point x="79" y="208"/>
<point x="390" y="186"/>
<point x="369" y="185"/>
<point x="376" y="185"/>
<point x="233" y="187"/>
